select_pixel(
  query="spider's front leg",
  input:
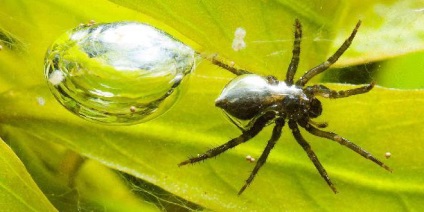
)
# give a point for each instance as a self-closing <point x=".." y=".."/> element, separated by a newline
<point x="323" y="91"/>
<point x="259" y="124"/>
<point x="330" y="61"/>
<point x="295" y="53"/>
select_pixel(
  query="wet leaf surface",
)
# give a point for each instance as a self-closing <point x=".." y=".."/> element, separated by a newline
<point x="384" y="120"/>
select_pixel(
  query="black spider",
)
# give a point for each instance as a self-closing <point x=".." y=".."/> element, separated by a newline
<point x="263" y="100"/>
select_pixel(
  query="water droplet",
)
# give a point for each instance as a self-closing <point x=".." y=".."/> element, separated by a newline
<point x="41" y="101"/>
<point x="250" y="159"/>
<point x="238" y="42"/>
<point x="118" y="73"/>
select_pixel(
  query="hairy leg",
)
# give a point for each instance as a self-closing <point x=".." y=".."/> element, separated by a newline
<point x="333" y="94"/>
<point x="330" y="61"/>
<point x="318" y="124"/>
<point x="276" y="133"/>
<point x="305" y="145"/>
<point x="247" y="135"/>
<point x="230" y="68"/>
<point x="291" y="71"/>
<point x="343" y="141"/>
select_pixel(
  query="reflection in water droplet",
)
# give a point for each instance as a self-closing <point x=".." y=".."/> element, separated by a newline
<point x="118" y="73"/>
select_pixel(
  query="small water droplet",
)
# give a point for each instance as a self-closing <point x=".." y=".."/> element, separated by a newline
<point x="250" y="159"/>
<point x="41" y="101"/>
<point x="118" y="73"/>
<point x="238" y="42"/>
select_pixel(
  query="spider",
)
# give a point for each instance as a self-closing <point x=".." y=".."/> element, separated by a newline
<point x="262" y="100"/>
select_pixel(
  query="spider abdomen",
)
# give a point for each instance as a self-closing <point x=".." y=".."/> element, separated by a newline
<point x="250" y="95"/>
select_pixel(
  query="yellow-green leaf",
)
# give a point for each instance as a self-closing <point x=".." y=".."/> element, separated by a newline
<point x="384" y="120"/>
<point x="18" y="192"/>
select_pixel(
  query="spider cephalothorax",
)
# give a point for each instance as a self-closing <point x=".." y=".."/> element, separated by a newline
<point x="252" y="102"/>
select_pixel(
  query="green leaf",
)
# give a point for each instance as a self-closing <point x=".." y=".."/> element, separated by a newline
<point x="384" y="120"/>
<point x="18" y="192"/>
<point x="270" y="33"/>
<point x="69" y="181"/>
<point x="384" y="34"/>
<point x="403" y="72"/>
<point x="152" y="150"/>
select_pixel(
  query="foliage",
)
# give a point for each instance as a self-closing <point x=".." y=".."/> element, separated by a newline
<point x="72" y="161"/>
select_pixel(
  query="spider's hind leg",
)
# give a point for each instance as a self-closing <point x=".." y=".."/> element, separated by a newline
<point x="259" y="124"/>
<point x="276" y="133"/>
<point x="305" y="145"/>
<point x="229" y="68"/>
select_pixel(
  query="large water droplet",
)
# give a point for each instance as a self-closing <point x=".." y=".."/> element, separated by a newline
<point x="118" y="73"/>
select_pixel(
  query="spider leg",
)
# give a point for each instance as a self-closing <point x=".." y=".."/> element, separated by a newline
<point x="245" y="136"/>
<point x="330" y="61"/>
<point x="230" y="68"/>
<point x="318" y="124"/>
<point x="345" y="142"/>
<point x="276" y="133"/>
<point x="305" y="145"/>
<point x="296" y="52"/>
<point x="332" y="94"/>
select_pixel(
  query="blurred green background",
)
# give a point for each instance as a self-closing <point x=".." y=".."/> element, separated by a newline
<point x="52" y="160"/>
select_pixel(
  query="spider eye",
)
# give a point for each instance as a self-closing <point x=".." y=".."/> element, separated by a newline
<point x="315" y="108"/>
<point x="117" y="73"/>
